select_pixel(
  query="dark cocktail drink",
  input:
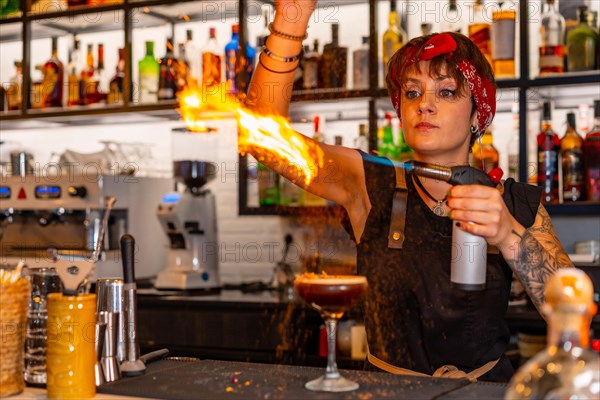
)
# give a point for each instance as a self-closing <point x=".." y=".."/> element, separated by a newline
<point x="331" y="296"/>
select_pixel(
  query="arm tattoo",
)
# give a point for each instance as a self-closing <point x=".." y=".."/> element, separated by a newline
<point x="539" y="255"/>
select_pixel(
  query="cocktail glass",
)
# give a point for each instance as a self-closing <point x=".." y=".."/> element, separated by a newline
<point x="331" y="296"/>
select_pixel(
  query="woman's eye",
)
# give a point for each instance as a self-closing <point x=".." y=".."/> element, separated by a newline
<point x="411" y="94"/>
<point x="447" y="93"/>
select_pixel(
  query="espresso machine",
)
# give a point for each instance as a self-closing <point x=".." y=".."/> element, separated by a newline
<point x="188" y="218"/>
<point x="64" y="213"/>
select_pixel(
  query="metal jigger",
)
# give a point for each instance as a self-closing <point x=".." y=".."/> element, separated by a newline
<point x="132" y="365"/>
<point x="109" y="362"/>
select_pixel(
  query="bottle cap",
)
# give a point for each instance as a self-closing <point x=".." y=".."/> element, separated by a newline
<point x="235" y="28"/>
<point x="188" y="34"/>
<point x="362" y="129"/>
<point x="338" y="140"/>
<point x="547" y="111"/>
<point x="570" y="289"/>
<point x="596" y="108"/>
<point x="571" y="119"/>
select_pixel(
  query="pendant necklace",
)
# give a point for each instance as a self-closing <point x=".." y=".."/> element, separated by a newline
<point x="438" y="208"/>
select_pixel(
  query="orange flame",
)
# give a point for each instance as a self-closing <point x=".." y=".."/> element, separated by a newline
<point x="270" y="136"/>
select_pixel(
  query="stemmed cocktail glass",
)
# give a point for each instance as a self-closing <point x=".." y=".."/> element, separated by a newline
<point x="331" y="296"/>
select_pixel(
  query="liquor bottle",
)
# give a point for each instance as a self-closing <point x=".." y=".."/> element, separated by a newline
<point x="115" y="94"/>
<point x="362" y="141"/>
<point x="86" y="85"/>
<point x="360" y="65"/>
<point x="231" y="53"/>
<point x="388" y="148"/>
<point x="513" y="145"/>
<point x="393" y="38"/>
<point x="479" y="30"/>
<point x="299" y="74"/>
<point x="582" y="44"/>
<point x="100" y="70"/>
<point x="571" y="150"/>
<point x="591" y="157"/>
<point x="567" y="368"/>
<point x="3" y="100"/>
<point x="334" y="62"/>
<point x="73" y="79"/>
<point x="53" y="81"/>
<point x="14" y="94"/>
<point x="182" y="67"/>
<point x="503" y="40"/>
<point x="485" y="155"/>
<point x="211" y="60"/>
<point x="268" y="186"/>
<point x="548" y="145"/>
<point x="193" y="56"/>
<point x="552" y="37"/>
<point x="451" y="19"/>
<point x="312" y="60"/>
<point x="149" y="71"/>
<point x="167" y="79"/>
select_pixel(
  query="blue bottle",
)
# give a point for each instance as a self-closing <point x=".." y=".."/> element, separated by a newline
<point x="231" y="52"/>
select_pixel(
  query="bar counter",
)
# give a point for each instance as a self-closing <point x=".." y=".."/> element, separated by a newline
<point x="215" y="380"/>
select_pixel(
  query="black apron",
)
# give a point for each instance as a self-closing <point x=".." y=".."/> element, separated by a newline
<point x="413" y="317"/>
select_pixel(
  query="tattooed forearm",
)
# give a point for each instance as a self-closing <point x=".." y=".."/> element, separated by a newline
<point x="537" y="256"/>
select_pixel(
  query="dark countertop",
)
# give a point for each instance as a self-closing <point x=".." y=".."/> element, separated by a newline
<point x="208" y="379"/>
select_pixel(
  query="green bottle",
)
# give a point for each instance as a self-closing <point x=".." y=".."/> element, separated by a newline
<point x="582" y="43"/>
<point x="149" y="72"/>
<point x="268" y="186"/>
<point x="388" y="148"/>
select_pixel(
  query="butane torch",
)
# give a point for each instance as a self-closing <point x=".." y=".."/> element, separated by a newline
<point x="469" y="252"/>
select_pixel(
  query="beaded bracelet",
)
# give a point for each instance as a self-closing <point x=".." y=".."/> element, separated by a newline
<point x="285" y="35"/>
<point x="272" y="70"/>
<point x="277" y="57"/>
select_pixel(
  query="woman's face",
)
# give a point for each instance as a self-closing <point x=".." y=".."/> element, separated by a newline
<point x="436" y="120"/>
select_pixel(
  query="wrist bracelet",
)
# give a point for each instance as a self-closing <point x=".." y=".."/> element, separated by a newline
<point x="272" y="70"/>
<point x="285" y="35"/>
<point x="277" y="57"/>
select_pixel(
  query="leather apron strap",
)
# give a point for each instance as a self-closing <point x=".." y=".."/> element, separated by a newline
<point x="398" y="218"/>
<point x="445" y="371"/>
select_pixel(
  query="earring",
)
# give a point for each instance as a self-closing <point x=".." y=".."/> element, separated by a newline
<point x="474" y="129"/>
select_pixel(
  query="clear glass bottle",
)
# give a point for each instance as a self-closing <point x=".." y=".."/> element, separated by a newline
<point x="582" y="44"/>
<point x="513" y="145"/>
<point x="167" y="79"/>
<point x="211" y="60"/>
<point x="14" y="94"/>
<point x="548" y="147"/>
<point x="362" y="141"/>
<point x="149" y="71"/>
<point x="571" y="150"/>
<point x="552" y="38"/>
<point x="360" y="65"/>
<point x="312" y="59"/>
<point x="182" y="67"/>
<point x="566" y="369"/>
<point x="480" y="30"/>
<point x="193" y="56"/>
<point x="591" y="157"/>
<point x="334" y="62"/>
<point x="53" y="81"/>
<point x="451" y="18"/>
<point x="503" y="40"/>
<point x="393" y="38"/>
<point x="100" y="70"/>
<point x="485" y="155"/>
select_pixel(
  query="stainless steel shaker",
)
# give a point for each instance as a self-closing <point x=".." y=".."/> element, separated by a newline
<point x="110" y="298"/>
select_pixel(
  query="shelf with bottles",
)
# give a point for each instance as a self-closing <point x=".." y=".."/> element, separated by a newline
<point x="10" y="10"/>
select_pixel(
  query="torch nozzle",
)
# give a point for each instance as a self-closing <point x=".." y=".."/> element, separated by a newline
<point x="458" y="175"/>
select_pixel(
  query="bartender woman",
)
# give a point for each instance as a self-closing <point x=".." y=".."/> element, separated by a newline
<point x="443" y="90"/>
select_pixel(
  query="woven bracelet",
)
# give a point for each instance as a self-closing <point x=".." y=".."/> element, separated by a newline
<point x="277" y="57"/>
<point x="285" y="35"/>
<point x="272" y="70"/>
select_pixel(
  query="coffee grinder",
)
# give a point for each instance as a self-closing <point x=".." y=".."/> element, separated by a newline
<point x="188" y="217"/>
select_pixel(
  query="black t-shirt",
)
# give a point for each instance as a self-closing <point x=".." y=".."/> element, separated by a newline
<point x="414" y="318"/>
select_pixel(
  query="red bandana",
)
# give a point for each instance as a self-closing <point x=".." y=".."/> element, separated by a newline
<point x="481" y="88"/>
